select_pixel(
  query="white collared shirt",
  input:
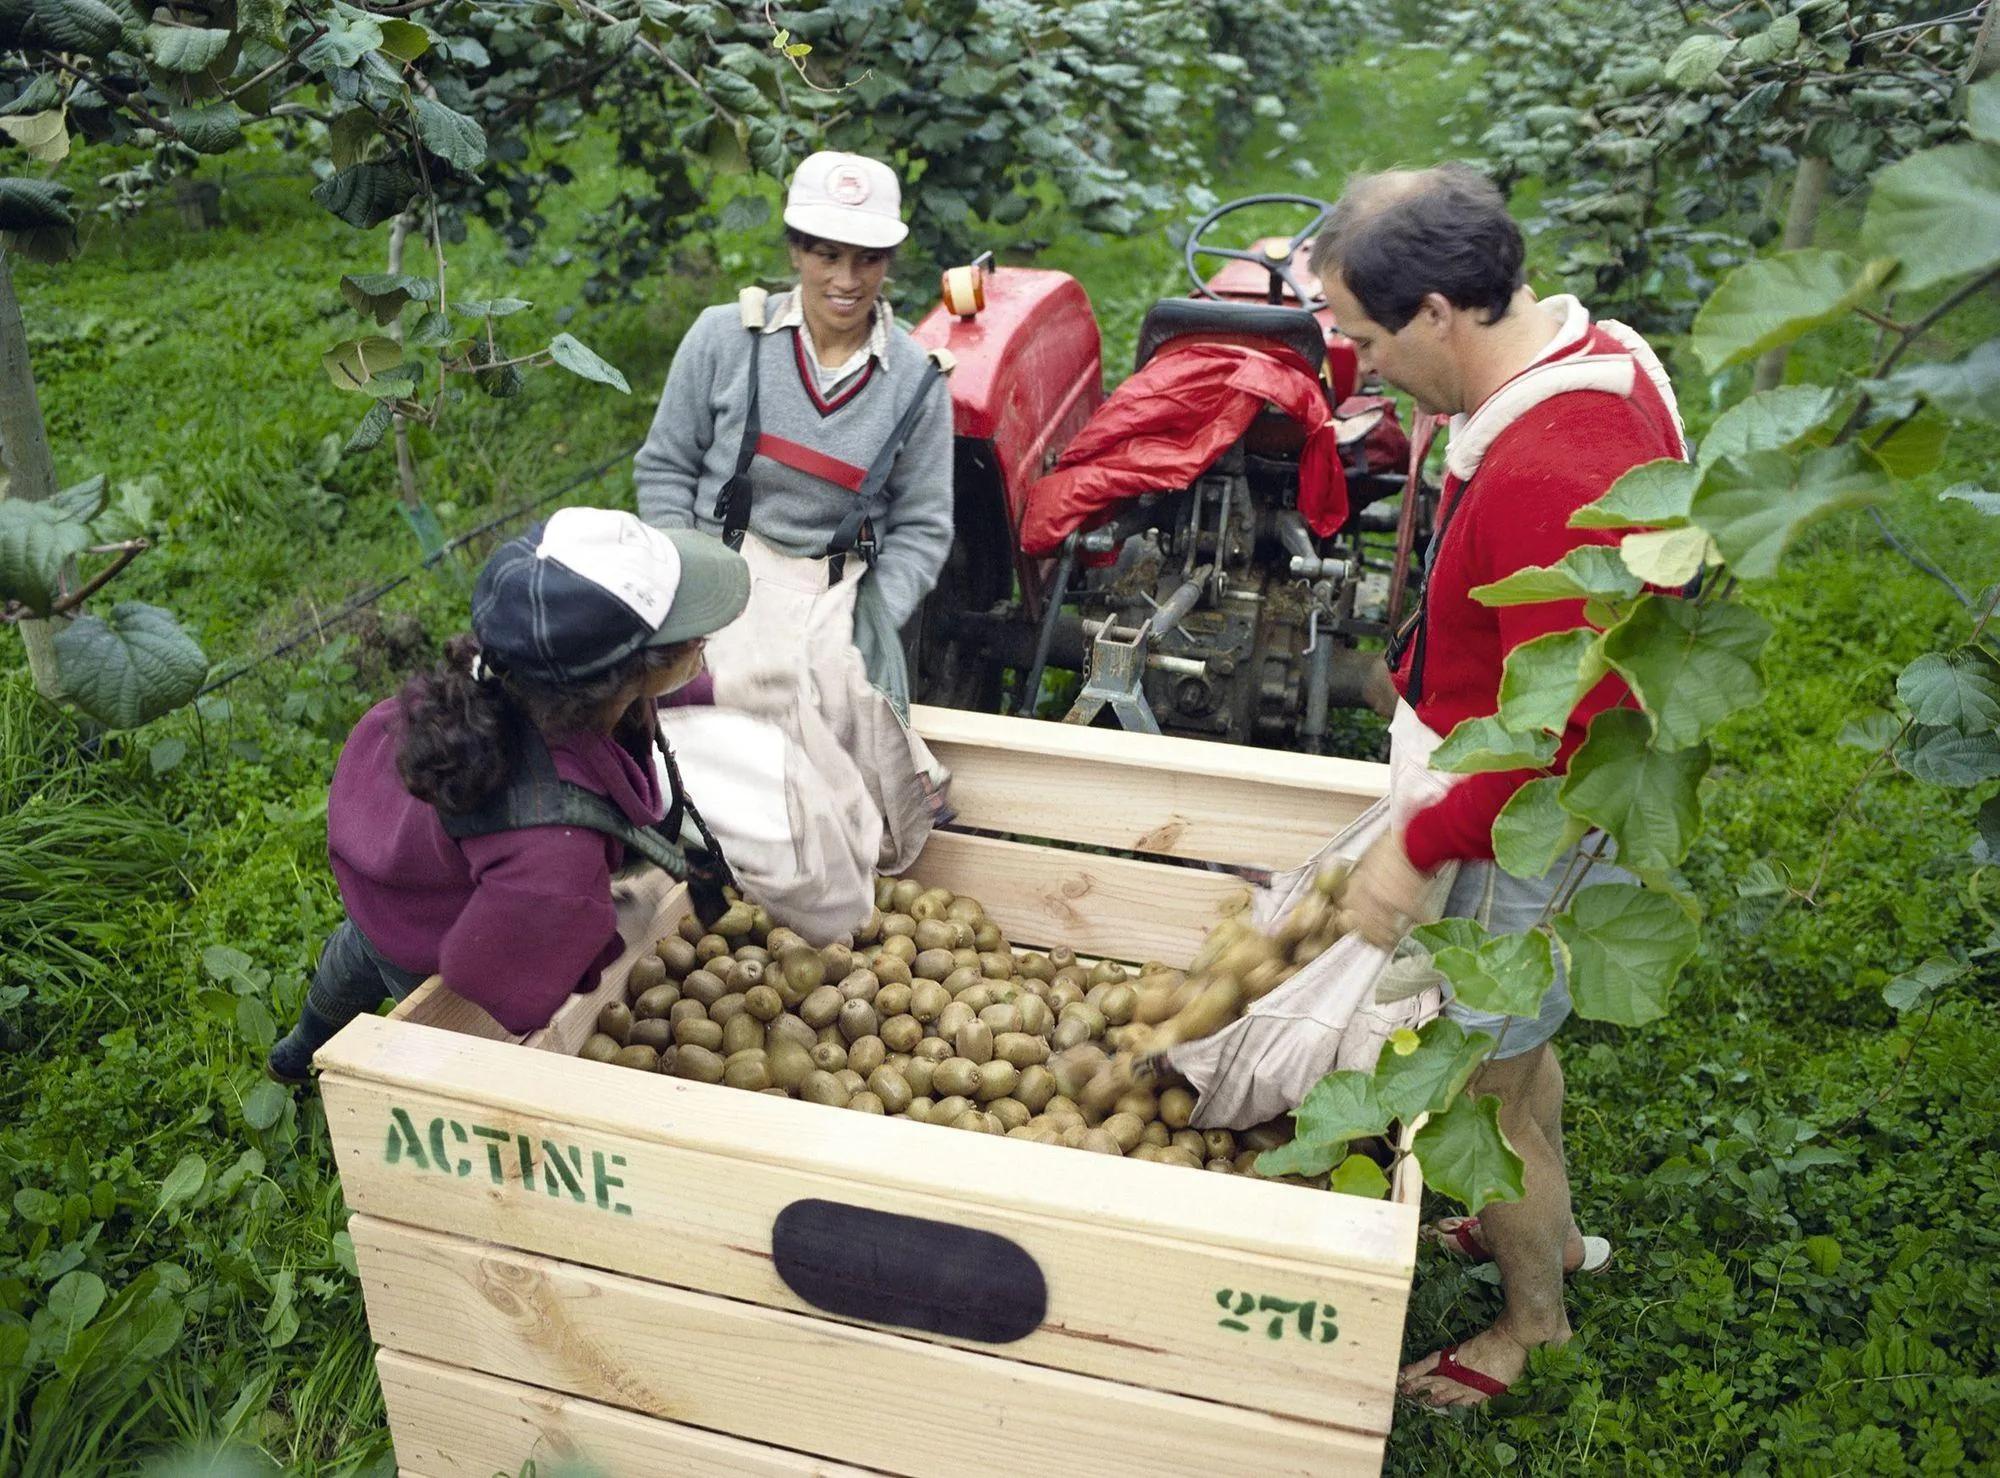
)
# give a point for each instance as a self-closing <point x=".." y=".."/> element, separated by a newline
<point x="829" y="379"/>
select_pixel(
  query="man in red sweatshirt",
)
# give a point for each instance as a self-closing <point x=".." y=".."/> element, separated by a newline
<point x="1423" y="270"/>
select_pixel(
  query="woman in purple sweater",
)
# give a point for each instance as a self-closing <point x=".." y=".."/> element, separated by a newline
<point x="579" y="627"/>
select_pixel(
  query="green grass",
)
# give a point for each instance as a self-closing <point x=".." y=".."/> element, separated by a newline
<point x="1718" y="1343"/>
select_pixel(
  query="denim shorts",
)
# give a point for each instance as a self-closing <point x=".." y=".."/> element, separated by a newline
<point x="1506" y="904"/>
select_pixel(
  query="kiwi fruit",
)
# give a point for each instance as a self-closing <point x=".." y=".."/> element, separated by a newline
<point x="933" y="934"/>
<point x="1020" y="1048"/>
<point x="891" y="969"/>
<point x="891" y="1000"/>
<point x="1011" y="1113"/>
<point x="857" y="1020"/>
<point x="657" y="1002"/>
<point x="777" y="941"/>
<point x="832" y="1056"/>
<point x="902" y="1033"/>
<point x="645" y="1059"/>
<point x="677" y="954"/>
<point x="788" y="1063"/>
<point x="962" y="982"/>
<point x="789" y="1028"/>
<point x="749" y="1069"/>
<point x="647" y="972"/>
<point x="1034" y="966"/>
<point x="1128" y="1129"/>
<point x="947" y="1109"/>
<point x="654" y="1032"/>
<point x="900" y="947"/>
<point x="931" y="1049"/>
<point x="1100" y="1142"/>
<point x="686" y="1010"/>
<point x="710" y="947"/>
<point x="885" y="892"/>
<point x="723" y="1008"/>
<point x="933" y="964"/>
<point x="865" y="1054"/>
<point x="974" y="1041"/>
<point x="698" y="1063"/>
<point x="897" y="926"/>
<point x="615" y="1020"/>
<point x="741" y="1033"/>
<point x="689" y="928"/>
<point x="1001" y="1018"/>
<point x="997" y="1079"/>
<point x="764" y="1003"/>
<point x="1158" y="1135"/>
<point x="702" y="986"/>
<point x="852" y="1081"/>
<point x="822" y="1007"/>
<point x="890" y="1090"/>
<point x="905" y="892"/>
<point x="956" y="1077"/>
<point x="1036" y="1087"/>
<point x="750" y="975"/>
<point x="600" y="1048"/>
<point x="836" y="960"/>
<point x="865" y="1102"/>
<point x="919" y="1109"/>
<point x="860" y="985"/>
<point x="690" y="1032"/>
<point x="822" y="1087"/>
<point x="918" y="1072"/>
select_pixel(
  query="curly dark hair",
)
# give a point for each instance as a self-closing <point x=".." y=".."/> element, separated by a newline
<point x="462" y="736"/>
<point x="1398" y="236"/>
<point x="806" y="241"/>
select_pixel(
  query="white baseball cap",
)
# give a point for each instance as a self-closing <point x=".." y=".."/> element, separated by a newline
<point x="848" y="198"/>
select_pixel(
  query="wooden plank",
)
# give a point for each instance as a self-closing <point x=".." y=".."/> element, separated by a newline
<point x="1141" y="793"/>
<point x="850" y="1394"/>
<point x="1219" y="761"/>
<point x="455" y="1423"/>
<point x="1227" y="1211"/>
<point x="1138" y="1305"/>
<point x="1112" y="907"/>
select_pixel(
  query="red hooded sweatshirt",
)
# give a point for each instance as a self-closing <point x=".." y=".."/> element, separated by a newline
<point x="513" y="922"/>
<point x="1594" y="406"/>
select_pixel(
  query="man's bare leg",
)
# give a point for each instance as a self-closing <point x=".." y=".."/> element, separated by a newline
<point x="1528" y="1237"/>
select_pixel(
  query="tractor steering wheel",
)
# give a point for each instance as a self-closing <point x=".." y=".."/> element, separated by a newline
<point x="1280" y="267"/>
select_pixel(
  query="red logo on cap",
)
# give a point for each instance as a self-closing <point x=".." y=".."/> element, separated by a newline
<point x="847" y="185"/>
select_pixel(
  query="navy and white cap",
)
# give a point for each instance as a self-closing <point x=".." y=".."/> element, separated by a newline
<point x="581" y="592"/>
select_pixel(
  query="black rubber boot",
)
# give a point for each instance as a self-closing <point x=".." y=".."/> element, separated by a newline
<point x="291" y="1058"/>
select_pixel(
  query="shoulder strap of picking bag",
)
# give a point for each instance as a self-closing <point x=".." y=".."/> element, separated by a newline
<point x="857" y="530"/>
<point x="538" y="796"/>
<point x="732" y="504"/>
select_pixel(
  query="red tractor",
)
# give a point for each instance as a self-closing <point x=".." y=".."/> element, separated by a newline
<point x="1223" y="598"/>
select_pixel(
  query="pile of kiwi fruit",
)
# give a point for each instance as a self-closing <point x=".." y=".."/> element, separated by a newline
<point x="931" y="1015"/>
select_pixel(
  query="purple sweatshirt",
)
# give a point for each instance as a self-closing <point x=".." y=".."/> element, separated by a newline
<point x="515" y="921"/>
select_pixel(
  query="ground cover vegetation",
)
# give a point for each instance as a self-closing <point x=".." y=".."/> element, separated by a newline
<point x="1800" y="1174"/>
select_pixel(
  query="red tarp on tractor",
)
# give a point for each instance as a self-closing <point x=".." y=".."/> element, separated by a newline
<point x="1164" y="426"/>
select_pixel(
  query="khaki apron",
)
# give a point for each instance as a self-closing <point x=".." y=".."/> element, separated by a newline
<point x="1336" y="1013"/>
<point x="800" y="621"/>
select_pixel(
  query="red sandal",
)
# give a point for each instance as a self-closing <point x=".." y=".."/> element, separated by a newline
<point x="1473" y="1380"/>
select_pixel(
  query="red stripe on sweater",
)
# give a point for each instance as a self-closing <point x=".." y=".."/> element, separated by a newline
<point x="811" y="381"/>
<point x="813" y="464"/>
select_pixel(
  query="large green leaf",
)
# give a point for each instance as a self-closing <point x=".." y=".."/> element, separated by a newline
<point x="1591" y="572"/>
<point x="350" y="34"/>
<point x="1507" y="973"/>
<point x="1648" y="799"/>
<point x="1465" y="1156"/>
<point x="383" y="294"/>
<point x="1982" y="110"/>
<point x="579" y="360"/>
<point x="130" y="669"/>
<point x="1668" y="559"/>
<point x="450" y="135"/>
<point x="1430" y="1078"/>
<point x="184" y="48"/>
<point x="1938" y="213"/>
<point x="1339" y="1107"/>
<point x="1770" y="420"/>
<point x="1479" y="744"/>
<point x="61" y="25"/>
<point x="1774" y="41"/>
<point x="1624" y="945"/>
<point x="405" y="40"/>
<point x="36" y="541"/>
<point x="1690" y="665"/>
<point x="1943" y="756"/>
<point x="1910" y="446"/>
<point x="366" y="195"/>
<point x="355" y="364"/>
<point x="212" y="128"/>
<point x="1914" y="988"/>
<point x="1543" y="680"/>
<point x="1773" y="300"/>
<point x="1651" y="495"/>
<point x="1968" y="388"/>
<point x="28" y="205"/>
<point x="1533" y="830"/>
<point x="1358" y="1175"/>
<point x="84" y="500"/>
<point x="1698" y="58"/>
<point x="1955" y="690"/>
<point x="374" y="426"/>
<point x="1755" y="505"/>
<point x="44" y="137"/>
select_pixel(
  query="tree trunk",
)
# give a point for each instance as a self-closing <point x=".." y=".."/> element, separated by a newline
<point x="406" y="465"/>
<point x="1985" y="58"/>
<point x="1801" y="222"/>
<point x="24" y="441"/>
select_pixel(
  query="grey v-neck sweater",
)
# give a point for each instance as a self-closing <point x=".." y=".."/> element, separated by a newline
<point x="691" y="451"/>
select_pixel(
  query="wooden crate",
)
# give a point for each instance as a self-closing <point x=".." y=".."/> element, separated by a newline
<point x="562" y="1259"/>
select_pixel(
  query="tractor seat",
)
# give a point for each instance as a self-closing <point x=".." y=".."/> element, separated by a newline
<point x="1252" y="324"/>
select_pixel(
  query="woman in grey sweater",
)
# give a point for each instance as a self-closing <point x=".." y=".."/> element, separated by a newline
<point x="811" y="431"/>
